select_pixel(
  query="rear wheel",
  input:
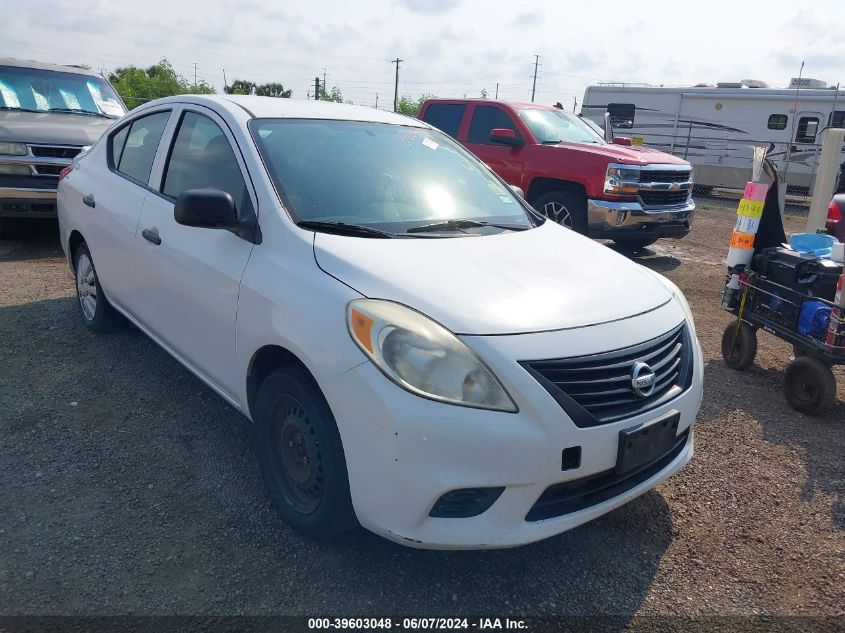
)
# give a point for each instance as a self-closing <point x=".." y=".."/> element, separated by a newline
<point x="739" y="345"/>
<point x="301" y="455"/>
<point x="97" y="313"/>
<point x="567" y="208"/>
<point x="809" y="385"/>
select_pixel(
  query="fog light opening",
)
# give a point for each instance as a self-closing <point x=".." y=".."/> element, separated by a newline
<point x="465" y="502"/>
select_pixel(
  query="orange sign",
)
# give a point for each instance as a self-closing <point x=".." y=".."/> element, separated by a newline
<point x="742" y="240"/>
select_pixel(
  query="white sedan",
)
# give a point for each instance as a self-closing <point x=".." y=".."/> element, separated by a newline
<point x="420" y="352"/>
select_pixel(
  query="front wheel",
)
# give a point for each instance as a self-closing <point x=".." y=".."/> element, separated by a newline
<point x="809" y="385"/>
<point x="567" y="208"/>
<point x="739" y="345"/>
<point x="301" y="455"/>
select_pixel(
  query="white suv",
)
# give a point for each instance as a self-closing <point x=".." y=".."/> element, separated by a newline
<point x="419" y="351"/>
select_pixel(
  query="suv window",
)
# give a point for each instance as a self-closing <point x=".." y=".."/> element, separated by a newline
<point x="622" y="114"/>
<point x="202" y="157"/>
<point x="445" y="116"/>
<point x="778" y="121"/>
<point x="134" y="146"/>
<point x="836" y="119"/>
<point x="808" y="127"/>
<point x="488" y="118"/>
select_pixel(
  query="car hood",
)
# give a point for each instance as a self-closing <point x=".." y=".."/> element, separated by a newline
<point x="546" y="278"/>
<point x="52" y="128"/>
<point x="628" y="155"/>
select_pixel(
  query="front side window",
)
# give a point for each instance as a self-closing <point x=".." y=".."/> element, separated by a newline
<point x="485" y="119"/>
<point x="445" y="116"/>
<point x="390" y="177"/>
<point x="38" y="90"/>
<point x="808" y="127"/>
<point x="554" y="126"/>
<point x="201" y="158"/>
<point x="622" y="114"/>
<point x="777" y="121"/>
<point x="133" y="147"/>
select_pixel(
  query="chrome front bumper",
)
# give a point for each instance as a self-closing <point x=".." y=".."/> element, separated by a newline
<point x="620" y="220"/>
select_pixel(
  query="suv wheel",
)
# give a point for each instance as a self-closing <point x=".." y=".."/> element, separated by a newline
<point x="567" y="208"/>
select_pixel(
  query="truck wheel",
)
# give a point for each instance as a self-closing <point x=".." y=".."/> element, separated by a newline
<point x="567" y="208"/>
<point x="96" y="311"/>
<point x="809" y="385"/>
<point x="631" y="246"/>
<point x="739" y="347"/>
<point x="301" y="455"/>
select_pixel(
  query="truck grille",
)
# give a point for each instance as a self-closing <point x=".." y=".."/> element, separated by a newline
<point x="50" y="151"/>
<point x="664" y="175"/>
<point x="49" y="170"/>
<point x="664" y="198"/>
<point x="598" y="389"/>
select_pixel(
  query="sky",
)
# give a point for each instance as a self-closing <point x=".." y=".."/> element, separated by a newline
<point x="449" y="48"/>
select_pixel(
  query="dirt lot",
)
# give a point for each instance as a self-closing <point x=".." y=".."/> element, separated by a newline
<point x="128" y="487"/>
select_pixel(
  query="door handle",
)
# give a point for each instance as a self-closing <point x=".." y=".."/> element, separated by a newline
<point x="89" y="200"/>
<point x="151" y="236"/>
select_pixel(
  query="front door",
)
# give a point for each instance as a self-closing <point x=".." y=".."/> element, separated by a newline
<point x="505" y="160"/>
<point x="188" y="278"/>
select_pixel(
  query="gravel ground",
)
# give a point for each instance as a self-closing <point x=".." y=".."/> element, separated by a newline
<point x="128" y="487"/>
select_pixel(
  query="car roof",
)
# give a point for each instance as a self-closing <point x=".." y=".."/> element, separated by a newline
<point x="29" y="63"/>
<point x="479" y="100"/>
<point x="274" y="107"/>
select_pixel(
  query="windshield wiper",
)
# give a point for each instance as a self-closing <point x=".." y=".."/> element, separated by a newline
<point x="447" y="225"/>
<point x="342" y="228"/>
<point x="80" y="111"/>
<point x="19" y="109"/>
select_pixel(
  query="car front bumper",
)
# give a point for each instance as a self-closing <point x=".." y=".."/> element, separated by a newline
<point x="630" y="220"/>
<point x="404" y="452"/>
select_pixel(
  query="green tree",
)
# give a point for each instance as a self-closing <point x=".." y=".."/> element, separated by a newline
<point x="139" y="85"/>
<point x="411" y="107"/>
<point x="273" y="89"/>
<point x="241" y="87"/>
<point x="333" y="95"/>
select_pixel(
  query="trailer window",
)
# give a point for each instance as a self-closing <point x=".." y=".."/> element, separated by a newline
<point x="837" y="119"/>
<point x="622" y="114"/>
<point x="808" y="127"/>
<point x="777" y="121"/>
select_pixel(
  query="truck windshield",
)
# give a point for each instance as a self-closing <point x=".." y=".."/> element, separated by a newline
<point x="388" y="177"/>
<point x="554" y="126"/>
<point x="37" y="90"/>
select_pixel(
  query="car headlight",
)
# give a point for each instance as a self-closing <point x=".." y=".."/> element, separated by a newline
<point x="622" y="179"/>
<point x="423" y="357"/>
<point x="13" y="149"/>
<point x="676" y="292"/>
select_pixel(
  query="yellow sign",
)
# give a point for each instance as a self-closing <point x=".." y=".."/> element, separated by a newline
<point x="636" y="140"/>
<point x="751" y="208"/>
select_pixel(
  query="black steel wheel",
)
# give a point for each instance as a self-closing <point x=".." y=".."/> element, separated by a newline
<point x="739" y="345"/>
<point x="809" y="385"/>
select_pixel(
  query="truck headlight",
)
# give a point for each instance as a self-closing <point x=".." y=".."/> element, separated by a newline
<point x="423" y="357"/>
<point x="15" y="170"/>
<point x="622" y="179"/>
<point x="13" y="149"/>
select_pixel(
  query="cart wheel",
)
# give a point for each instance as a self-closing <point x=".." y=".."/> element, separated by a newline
<point x="809" y="385"/>
<point x="797" y="351"/>
<point x="739" y="347"/>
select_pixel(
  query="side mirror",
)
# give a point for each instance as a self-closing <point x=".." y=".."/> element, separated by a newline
<point x="518" y="191"/>
<point x="621" y="140"/>
<point x="608" y="128"/>
<point x="208" y="208"/>
<point x="504" y="136"/>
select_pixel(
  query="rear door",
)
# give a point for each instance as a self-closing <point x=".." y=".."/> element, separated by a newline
<point x="505" y="160"/>
<point x="188" y="278"/>
<point x="446" y="117"/>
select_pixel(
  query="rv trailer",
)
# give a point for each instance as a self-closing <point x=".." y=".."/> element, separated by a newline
<point x="715" y="127"/>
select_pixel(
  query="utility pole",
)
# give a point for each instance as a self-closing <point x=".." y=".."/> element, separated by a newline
<point x="396" y="61"/>
<point x="497" y="90"/>
<point x="574" y="104"/>
<point x="195" y="74"/>
<point x="324" y="79"/>
<point x="225" y="85"/>
<point x="317" y="88"/>
<point x="534" y="85"/>
<point x="376" y="101"/>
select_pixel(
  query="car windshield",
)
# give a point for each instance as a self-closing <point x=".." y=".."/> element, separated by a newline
<point x="554" y="126"/>
<point x="39" y="90"/>
<point x="389" y="177"/>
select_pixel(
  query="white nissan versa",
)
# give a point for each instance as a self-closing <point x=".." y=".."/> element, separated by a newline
<point x="419" y="352"/>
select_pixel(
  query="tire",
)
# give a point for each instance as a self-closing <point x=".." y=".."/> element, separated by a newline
<point x="809" y="385"/>
<point x="97" y="313"/>
<point x="567" y="208"/>
<point x="631" y="246"/>
<point x="739" y="347"/>
<point x="301" y="455"/>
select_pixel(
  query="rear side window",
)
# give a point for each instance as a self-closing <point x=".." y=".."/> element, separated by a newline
<point x="486" y="119"/>
<point x="202" y="157"/>
<point x="622" y="114"/>
<point x="134" y="146"/>
<point x="777" y="121"/>
<point x="445" y="117"/>
<point x="808" y="127"/>
<point x="837" y="119"/>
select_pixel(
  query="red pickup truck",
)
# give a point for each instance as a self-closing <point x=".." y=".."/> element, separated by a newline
<point x="569" y="173"/>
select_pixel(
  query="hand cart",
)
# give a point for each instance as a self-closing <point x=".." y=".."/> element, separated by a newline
<point x="809" y="383"/>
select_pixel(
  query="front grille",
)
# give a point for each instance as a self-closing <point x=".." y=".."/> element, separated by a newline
<point x="46" y="151"/>
<point x="49" y="170"/>
<point x="572" y="496"/>
<point x="598" y="389"/>
<point x="664" y="198"/>
<point x="664" y="175"/>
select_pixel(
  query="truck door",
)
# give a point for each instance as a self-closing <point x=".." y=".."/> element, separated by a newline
<point x="505" y="160"/>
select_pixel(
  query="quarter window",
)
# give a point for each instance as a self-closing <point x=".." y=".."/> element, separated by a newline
<point x="486" y="119"/>
<point x="777" y="121"/>
<point x="202" y="157"/>
<point x="808" y="127"/>
<point x="134" y="146"/>
<point x="837" y="119"/>
<point x="445" y="116"/>
<point x="622" y="114"/>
